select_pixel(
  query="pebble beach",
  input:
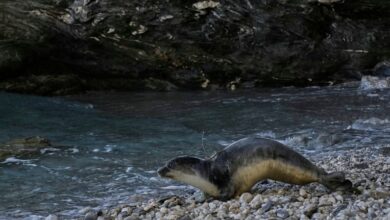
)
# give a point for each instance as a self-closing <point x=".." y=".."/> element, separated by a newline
<point x="368" y="169"/>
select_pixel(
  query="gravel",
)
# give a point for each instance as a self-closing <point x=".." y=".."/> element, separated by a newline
<point x="275" y="200"/>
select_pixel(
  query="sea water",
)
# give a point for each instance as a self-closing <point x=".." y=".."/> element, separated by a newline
<point x="107" y="146"/>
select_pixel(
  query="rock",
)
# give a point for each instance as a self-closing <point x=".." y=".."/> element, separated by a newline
<point x="205" y="4"/>
<point x="326" y="201"/>
<point x="25" y="147"/>
<point x="212" y="206"/>
<point x="256" y="202"/>
<point x="246" y="198"/>
<point x="382" y="69"/>
<point x="362" y="206"/>
<point x="302" y="193"/>
<point x="281" y="213"/>
<point x="234" y="207"/>
<point x="134" y="216"/>
<point x="339" y="197"/>
<point x="310" y="210"/>
<point x="173" y="201"/>
<point x="58" y="47"/>
<point x="266" y="207"/>
<point x="91" y="216"/>
<point x="151" y="205"/>
<point x="163" y="210"/>
<point x="128" y="210"/>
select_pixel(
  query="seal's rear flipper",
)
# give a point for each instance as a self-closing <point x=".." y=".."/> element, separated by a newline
<point x="336" y="181"/>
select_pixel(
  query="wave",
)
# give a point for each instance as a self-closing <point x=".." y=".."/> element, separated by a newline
<point x="374" y="82"/>
<point x="14" y="160"/>
<point x="371" y="124"/>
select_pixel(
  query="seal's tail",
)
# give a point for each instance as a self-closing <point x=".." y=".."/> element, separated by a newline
<point x="336" y="181"/>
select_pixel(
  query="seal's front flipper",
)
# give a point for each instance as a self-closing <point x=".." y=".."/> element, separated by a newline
<point x="336" y="181"/>
<point x="226" y="192"/>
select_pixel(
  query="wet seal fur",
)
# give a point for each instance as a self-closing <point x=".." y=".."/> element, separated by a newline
<point x="238" y="167"/>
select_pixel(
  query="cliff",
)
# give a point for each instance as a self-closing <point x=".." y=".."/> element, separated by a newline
<point x="55" y="47"/>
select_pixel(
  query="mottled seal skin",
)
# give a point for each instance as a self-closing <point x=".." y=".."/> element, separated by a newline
<point x="238" y="167"/>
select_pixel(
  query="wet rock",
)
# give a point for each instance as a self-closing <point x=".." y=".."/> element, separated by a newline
<point x="159" y="85"/>
<point x="382" y="69"/>
<point x="23" y="147"/>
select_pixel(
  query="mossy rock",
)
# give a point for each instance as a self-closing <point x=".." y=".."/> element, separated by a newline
<point x="23" y="147"/>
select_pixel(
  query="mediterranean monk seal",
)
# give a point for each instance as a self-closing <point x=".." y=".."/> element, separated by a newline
<point x="238" y="167"/>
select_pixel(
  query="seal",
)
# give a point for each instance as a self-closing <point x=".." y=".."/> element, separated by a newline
<point x="239" y="166"/>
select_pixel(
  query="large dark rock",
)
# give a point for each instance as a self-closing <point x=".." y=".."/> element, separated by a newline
<point x="63" y="46"/>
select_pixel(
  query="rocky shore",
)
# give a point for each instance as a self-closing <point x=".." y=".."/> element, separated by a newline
<point x="368" y="169"/>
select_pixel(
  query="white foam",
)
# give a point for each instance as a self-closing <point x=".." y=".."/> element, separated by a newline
<point x="18" y="161"/>
<point x="49" y="149"/>
<point x="371" y="124"/>
<point x="374" y="82"/>
<point x="108" y="148"/>
<point x="372" y="95"/>
<point x="74" y="150"/>
<point x="266" y="134"/>
<point x="173" y="187"/>
<point x="224" y="143"/>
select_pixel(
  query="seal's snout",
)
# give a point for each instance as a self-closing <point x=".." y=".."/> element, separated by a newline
<point x="163" y="171"/>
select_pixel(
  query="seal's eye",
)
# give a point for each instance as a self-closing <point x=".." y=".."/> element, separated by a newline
<point x="171" y="164"/>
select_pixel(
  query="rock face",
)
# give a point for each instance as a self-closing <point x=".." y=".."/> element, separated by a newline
<point x="64" y="46"/>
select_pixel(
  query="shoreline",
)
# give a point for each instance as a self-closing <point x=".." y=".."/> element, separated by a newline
<point x="366" y="168"/>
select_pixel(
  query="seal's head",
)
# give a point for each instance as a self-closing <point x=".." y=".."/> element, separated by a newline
<point x="179" y="166"/>
<point x="190" y="170"/>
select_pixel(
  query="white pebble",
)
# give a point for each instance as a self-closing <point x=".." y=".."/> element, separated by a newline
<point x="256" y="202"/>
<point x="246" y="198"/>
<point x="163" y="210"/>
<point x="302" y="193"/>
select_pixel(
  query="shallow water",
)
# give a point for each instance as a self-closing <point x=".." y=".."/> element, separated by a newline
<point x="116" y="141"/>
